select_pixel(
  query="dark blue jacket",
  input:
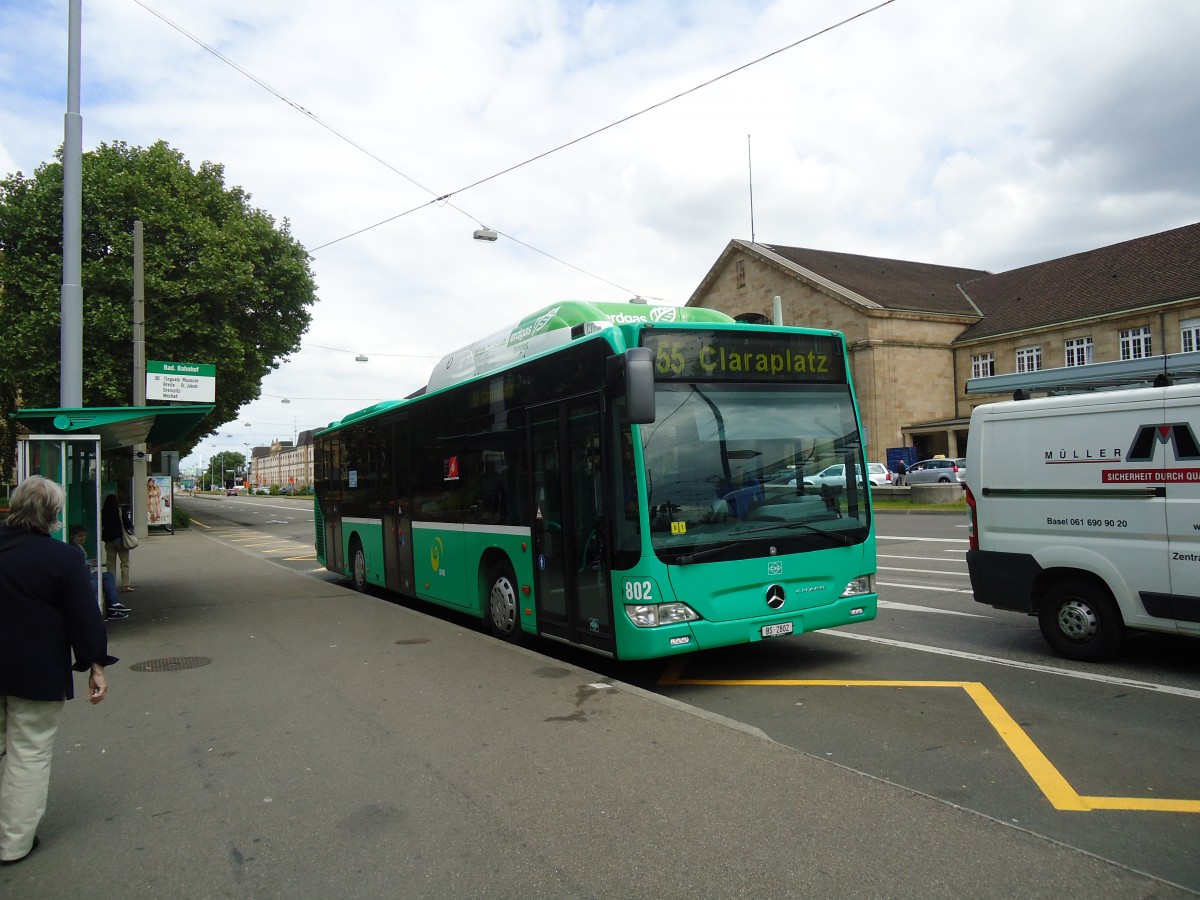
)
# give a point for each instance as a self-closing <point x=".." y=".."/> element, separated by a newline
<point x="47" y="610"/>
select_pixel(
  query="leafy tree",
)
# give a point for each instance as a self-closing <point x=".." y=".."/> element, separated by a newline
<point x="224" y="466"/>
<point x="224" y="283"/>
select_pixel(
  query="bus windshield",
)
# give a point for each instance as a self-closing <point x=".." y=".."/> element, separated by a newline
<point x="725" y="469"/>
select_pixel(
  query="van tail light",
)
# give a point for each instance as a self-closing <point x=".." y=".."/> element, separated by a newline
<point x="973" y="531"/>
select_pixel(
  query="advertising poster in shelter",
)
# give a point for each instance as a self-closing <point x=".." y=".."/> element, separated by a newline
<point x="159" y="501"/>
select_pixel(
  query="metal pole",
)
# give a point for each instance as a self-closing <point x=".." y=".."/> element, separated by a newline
<point x="141" y="470"/>
<point x="70" y="386"/>
<point x="139" y="317"/>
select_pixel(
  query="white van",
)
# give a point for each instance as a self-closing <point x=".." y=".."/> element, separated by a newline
<point x="1085" y="511"/>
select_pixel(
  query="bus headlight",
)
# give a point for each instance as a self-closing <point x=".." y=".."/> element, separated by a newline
<point x="863" y="584"/>
<point x="651" y="615"/>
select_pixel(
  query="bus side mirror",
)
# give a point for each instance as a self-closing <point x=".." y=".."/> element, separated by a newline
<point x="639" y="384"/>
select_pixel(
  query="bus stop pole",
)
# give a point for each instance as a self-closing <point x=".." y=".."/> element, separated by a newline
<point x="138" y="495"/>
<point x="70" y="386"/>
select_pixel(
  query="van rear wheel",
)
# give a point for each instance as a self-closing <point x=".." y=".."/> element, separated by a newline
<point x="1081" y="621"/>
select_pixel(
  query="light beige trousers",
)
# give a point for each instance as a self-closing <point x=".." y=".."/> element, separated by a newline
<point x="114" y="551"/>
<point x="28" y="728"/>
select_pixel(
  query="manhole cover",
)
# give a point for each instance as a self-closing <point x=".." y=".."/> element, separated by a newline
<point x="171" y="664"/>
<point x="410" y="641"/>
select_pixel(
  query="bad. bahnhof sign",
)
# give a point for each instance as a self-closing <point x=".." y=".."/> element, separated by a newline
<point x="193" y="382"/>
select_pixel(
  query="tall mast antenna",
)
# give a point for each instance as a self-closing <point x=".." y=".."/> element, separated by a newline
<point x="750" y="167"/>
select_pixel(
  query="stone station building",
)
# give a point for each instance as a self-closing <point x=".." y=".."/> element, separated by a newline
<point x="917" y="333"/>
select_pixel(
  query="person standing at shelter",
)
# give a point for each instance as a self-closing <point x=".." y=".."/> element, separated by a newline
<point x="112" y="532"/>
<point x="47" y="611"/>
<point x="901" y="471"/>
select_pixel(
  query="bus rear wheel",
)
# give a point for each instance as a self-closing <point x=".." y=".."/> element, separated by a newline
<point x="358" y="566"/>
<point x="1081" y="621"/>
<point x="504" y="604"/>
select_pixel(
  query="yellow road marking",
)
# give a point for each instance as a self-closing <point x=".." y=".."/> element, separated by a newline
<point x="1040" y="769"/>
<point x="1049" y="780"/>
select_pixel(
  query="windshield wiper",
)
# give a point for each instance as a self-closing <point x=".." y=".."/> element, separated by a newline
<point x="835" y="536"/>
<point x="705" y="554"/>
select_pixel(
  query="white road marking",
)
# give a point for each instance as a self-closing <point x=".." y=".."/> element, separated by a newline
<point x="900" y="537"/>
<point x="926" y="587"/>
<point x="921" y="571"/>
<point x="918" y="558"/>
<point x="889" y="604"/>
<point x="1013" y="664"/>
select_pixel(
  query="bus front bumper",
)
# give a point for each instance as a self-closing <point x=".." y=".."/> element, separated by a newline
<point x="701" y="634"/>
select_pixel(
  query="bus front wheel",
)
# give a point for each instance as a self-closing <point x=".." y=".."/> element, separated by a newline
<point x="504" y="605"/>
<point x="1081" y="621"/>
<point x="358" y="566"/>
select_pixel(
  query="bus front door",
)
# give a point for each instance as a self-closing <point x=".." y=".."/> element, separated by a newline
<point x="573" y="599"/>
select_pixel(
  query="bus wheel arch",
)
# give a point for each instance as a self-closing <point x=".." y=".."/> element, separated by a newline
<point x="358" y="564"/>
<point x="501" y="598"/>
<point x="1079" y="617"/>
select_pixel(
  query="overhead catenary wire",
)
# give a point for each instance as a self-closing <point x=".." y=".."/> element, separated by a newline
<point x="445" y="198"/>
<point x="661" y="103"/>
<point x="298" y="107"/>
<point x="610" y="125"/>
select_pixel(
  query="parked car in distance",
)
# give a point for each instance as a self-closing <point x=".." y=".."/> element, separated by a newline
<point x="231" y="492"/>
<point x="835" y="475"/>
<point x="942" y="470"/>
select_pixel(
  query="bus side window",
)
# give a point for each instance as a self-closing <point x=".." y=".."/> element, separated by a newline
<point x="626" y="520"/>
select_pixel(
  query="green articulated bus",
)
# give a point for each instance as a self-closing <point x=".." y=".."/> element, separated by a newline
<point x="627" y="478"/>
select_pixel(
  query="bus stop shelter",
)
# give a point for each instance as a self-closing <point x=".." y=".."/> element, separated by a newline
<point x="68" y="445"/>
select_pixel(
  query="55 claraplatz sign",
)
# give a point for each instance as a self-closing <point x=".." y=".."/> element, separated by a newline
<point x="1177" y="440"/>
<point x="191" y="382"/>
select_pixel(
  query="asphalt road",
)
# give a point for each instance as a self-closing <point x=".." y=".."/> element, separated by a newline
<point x="939" y="694"/>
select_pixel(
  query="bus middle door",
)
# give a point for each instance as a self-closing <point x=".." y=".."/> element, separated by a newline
<point x="570" y="564"/>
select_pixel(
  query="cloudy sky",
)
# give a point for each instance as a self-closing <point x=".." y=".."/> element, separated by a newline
<point x="981" y="133"/>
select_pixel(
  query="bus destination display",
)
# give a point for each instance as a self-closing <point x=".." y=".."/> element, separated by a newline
<point x="740" y="356"/>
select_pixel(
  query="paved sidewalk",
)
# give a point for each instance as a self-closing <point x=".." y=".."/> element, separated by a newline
<point x="269" y="734"/>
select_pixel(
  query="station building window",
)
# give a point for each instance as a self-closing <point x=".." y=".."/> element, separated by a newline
<point x="1078" y="351"/>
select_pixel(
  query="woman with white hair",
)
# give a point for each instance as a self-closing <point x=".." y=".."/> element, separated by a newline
<point x="47" y="611"/>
